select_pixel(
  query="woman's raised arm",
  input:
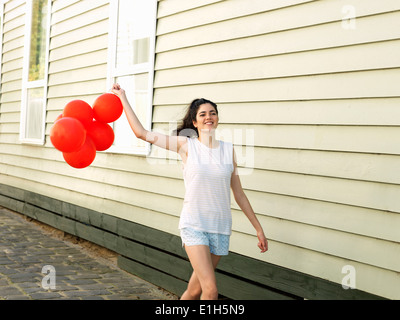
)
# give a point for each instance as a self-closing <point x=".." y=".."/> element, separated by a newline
<point x="173" y="143"/>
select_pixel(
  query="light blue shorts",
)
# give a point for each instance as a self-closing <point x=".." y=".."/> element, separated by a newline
<point x="218" y="243"/>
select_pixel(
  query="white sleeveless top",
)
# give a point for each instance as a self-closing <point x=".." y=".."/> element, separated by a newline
<point x="207" y="175"/>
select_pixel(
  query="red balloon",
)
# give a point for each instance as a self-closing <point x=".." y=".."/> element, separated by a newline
<point x="83" y="157"/>
<point x="79" y="110"/>
<point x="67" y="134"/>
<point x="107" y="108"/>
<point x="59" y="117"/>
<point x="102" y="135"/>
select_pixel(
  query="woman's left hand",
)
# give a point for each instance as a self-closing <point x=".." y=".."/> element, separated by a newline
<point x="263" y="242"/>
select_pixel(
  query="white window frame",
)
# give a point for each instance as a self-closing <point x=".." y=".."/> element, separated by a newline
<point x="26" y="84"/>
<point x="147" y="67"/>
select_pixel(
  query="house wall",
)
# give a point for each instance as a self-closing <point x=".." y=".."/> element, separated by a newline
<point x="321" y="99"/>
<point x="308" y="97"/>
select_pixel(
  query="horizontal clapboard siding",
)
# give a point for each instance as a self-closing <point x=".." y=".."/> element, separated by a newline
<point x="12" y="64"/>
<point x="311" y="107"/>
<point x="320" y="120"/>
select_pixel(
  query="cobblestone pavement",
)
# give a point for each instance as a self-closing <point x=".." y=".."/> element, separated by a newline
<point x="25" y="251"/>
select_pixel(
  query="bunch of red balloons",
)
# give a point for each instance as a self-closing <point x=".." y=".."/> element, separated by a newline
<point x="81" y="130"/>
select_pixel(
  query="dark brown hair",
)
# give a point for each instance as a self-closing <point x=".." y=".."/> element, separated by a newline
<point x="186" y="128"/>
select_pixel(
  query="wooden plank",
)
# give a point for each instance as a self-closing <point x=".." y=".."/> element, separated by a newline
<point x="77" y="20"/>
<point x="10" y="107"/>
<point x="152" y="237"/>
<point x="11" y="97"/>
<point x="14" y="63"/>
<point x="12" y="204"/>
<point x="9" y="137"/>
<point x="239" y="289"/>
<point x="10" y="117"/>
<point x="342" y="245"/>
<point x="356" y="166"/>
<point x="16" y="30"/>
<point x="14" y="18"/>
<point x="77" y="48"/>
<point x="96" y="29"/>
<point x="41" y="215"/>
<point x="173" y="6"/>
<point x="269" y="22"/>
<point x="319" y="265"/>
<point x="154" y="276"/>
<point x="217" y="12"/>
<point x="77" y="62"/>
<point x="60" y="4"/>
<point x="330" y="60"/>
<point x="58" y="103"/>
<point x="12" y="79"/>
<point x="72" y="90"/>
<point x="382" y="112"/>
<point x="90" y="217"/>
<point x="83" y="74"/>
<point x="97" y="236"/>
<point x="342" y="191"/>
<point x="296" y="40"/>
<point x="351" y="219"/>
<point x="154" y="257"/>
<point x="229" y="287"/>
<point x="287" y="281"/>
<point x="13" y="44"/>
<point x="12" y="192"/>
<point x="12" y="128"/>
<point x="43" y="202"/>
<point x="78" y="8"/>
<point x="11" y="87"/>
<point x="365" y="139"/>
<point x="363" y="84"/>
<point x="14" y="8"/>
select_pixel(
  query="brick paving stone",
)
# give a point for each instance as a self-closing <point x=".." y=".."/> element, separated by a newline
<point x="25" y="249"/>
<point x="45" y="295"/>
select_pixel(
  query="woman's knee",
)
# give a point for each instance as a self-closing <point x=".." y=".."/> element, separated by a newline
<point x="195" y="292"/>
<point x="210" y="291"/>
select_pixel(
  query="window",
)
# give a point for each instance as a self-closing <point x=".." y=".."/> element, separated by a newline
<point x="34" y="81"/>
<point x="131" y="64"/>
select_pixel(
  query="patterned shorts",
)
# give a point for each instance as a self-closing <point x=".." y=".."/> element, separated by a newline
<point x="218" y="243"/>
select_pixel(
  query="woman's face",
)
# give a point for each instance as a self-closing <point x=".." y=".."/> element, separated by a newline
<point x="206" y="118"/>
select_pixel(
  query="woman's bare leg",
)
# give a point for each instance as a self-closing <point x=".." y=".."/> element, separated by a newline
<point x="202" y="283"/>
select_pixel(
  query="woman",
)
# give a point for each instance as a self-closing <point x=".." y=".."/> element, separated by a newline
<point x="210" y="170"/>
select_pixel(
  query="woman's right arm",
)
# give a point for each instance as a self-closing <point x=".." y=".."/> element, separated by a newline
<point x="173" y="143"/>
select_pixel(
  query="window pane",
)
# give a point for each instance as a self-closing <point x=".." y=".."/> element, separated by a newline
<point x="38" y="40"/>
<point x="136" y="88"/>
<point x="34" y="114"/>
<point x="135" y="23"/>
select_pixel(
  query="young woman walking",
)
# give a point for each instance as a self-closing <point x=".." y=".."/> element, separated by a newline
<point x="210" y="171"/>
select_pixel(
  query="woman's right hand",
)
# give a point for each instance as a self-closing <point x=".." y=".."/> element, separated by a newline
<point x="116" y="89"/>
